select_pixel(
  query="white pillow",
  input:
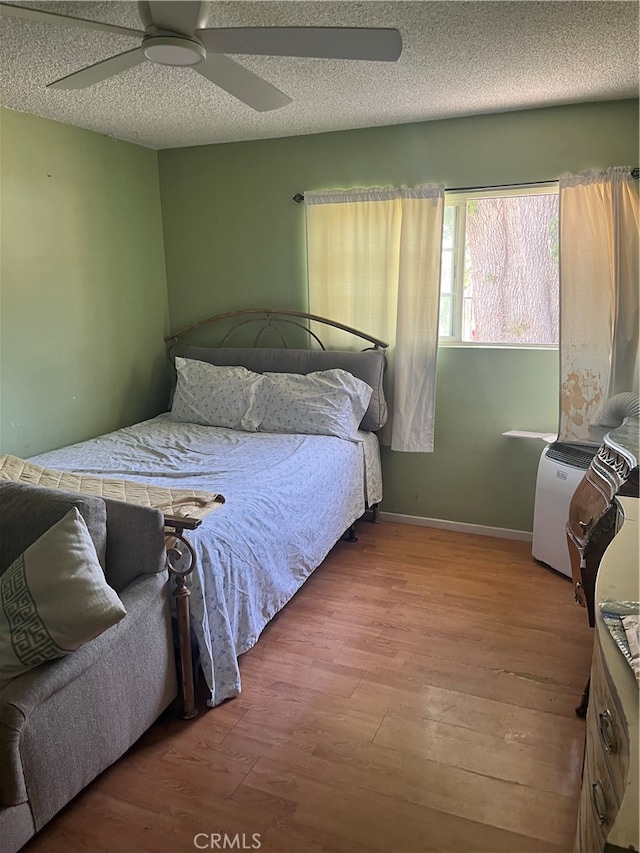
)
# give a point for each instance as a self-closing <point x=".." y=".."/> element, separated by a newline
<point x="326" y="402"/>
<point x="54" y="598"/>
<point x="216" y="396"/>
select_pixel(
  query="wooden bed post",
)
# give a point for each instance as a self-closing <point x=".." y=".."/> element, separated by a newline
<point x="174" y="534"/>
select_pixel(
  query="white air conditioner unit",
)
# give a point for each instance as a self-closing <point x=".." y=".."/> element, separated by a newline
<point x="560" y="470"/>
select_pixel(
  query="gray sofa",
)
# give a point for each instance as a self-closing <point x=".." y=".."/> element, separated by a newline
<point x="64" y="722"/>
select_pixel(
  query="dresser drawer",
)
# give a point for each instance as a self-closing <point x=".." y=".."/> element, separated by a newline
<point x="599" y="785"/>
<point x="590" y="833"/>
<point x="608" y="723"/>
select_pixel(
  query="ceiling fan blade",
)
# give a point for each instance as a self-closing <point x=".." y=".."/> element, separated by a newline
<point x="242" y="83"/>
<point x="384" y="45"/>
<point x="144" y="13"/>
<point x="183" y="16"/>
<point x="40" y="17"/>
<point x="100" y="71"/>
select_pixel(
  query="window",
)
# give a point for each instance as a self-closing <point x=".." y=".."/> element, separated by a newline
<point x="499" y="282"/>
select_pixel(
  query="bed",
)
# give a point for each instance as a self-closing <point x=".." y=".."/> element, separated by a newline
<point x="288" y="496"/>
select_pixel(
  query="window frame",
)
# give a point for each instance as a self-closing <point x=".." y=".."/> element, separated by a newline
<point x="458" y="199"/>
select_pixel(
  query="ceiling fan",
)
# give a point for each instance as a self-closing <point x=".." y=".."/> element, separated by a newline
<point x="176" y="33"/>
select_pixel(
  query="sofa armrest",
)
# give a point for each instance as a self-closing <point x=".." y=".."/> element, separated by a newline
<point x="135" y="543"/>
<point x="129" y="539"/>
<point x="25" y="693"/>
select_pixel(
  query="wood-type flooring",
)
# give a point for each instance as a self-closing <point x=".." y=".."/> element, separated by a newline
<point x="417" y="694"/>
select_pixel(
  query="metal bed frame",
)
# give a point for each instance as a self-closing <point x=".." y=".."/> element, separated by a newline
<point x="272" y="319"/>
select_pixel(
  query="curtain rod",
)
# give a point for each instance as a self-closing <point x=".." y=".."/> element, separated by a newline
<point x="635" y="173"/>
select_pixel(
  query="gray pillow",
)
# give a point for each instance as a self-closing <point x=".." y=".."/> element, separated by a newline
<point x="368" y="366"/>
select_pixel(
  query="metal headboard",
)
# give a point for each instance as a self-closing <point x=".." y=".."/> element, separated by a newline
<point x="272" y="319"/>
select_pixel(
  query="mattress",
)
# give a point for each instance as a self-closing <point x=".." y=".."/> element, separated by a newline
<point x="288" y="499"/>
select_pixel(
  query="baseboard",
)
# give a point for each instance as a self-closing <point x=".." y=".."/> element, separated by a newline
<point x="458" y="526"/>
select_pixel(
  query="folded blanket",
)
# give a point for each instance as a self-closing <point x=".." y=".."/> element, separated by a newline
<point x="177" y="502"/>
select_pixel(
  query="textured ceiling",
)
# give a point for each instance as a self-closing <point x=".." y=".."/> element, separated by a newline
<point x="458" y="58"/>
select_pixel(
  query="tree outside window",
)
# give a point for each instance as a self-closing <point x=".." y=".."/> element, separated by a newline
<point x="500" y="271"/>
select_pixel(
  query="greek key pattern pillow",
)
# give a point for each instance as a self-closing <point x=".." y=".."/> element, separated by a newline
<point x="32" y="643"/>
<point x="54" y="599"/>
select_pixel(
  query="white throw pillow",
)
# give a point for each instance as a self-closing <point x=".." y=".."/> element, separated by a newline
<point x="216" y="396"/>
<point x="54" y="598"/>
<point x="326" y="402"/>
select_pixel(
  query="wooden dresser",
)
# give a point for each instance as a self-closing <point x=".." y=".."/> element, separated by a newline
<point x="608" y="812"/>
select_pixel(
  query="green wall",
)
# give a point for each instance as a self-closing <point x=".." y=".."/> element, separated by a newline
<point x="83" y="302"/>
<point x="83" y="296"/>
<point x="234" y="239"/>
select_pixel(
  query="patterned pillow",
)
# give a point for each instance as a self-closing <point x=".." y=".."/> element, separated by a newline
<point x="326" y="402"/>
<point x="216" y="396"/>
<point x="54" y="598"/>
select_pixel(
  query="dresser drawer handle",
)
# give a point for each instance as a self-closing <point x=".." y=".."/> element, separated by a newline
<point x="599" y="801"/>
<point x="608" y="731"/>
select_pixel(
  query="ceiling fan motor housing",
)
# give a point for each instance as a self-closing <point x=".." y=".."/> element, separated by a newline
<point x="173" y="50"/>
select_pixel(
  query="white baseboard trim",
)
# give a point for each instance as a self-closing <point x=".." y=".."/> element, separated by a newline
<point x="458" y="526"/>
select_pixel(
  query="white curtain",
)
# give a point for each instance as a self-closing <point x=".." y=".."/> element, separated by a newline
<point x="599" y="312"/>
<point x="373" y="260"/>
